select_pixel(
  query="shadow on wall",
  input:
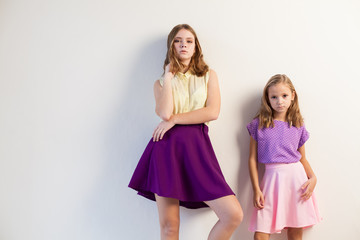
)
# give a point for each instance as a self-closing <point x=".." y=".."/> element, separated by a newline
<point x="248" y="110"/>
<point x="113" y="210"/>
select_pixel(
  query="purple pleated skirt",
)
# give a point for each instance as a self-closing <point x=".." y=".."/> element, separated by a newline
<point x="183" y="166"/>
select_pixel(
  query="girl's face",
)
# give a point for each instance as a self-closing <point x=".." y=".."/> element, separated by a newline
<point x="184" y="43"/>
<point x="280" y="97"/>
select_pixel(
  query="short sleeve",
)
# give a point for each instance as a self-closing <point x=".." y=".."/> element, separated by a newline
<point x="252" y="127"/>
<point x="304" y="136"/>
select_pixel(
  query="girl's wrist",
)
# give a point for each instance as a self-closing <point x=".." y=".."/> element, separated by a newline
<point x="313" y="178"/>
<point x="256" y="189"/>
<point x="173" y="119"/>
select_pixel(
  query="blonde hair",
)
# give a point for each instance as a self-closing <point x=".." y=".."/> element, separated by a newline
<point x="197" y="64"/>
<point x="266" y="114"/>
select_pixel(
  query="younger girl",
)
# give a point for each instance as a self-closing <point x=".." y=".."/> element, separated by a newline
<point x="284" y="199"/>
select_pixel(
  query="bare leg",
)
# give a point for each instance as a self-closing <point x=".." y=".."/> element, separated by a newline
<point x="169" y="217"/>
<point x="295" y="233"/>
<point x="230" y="215"/>
<point x="261" y="236"/>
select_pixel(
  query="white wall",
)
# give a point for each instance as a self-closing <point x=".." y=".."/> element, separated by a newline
<point x="77" y="107"/>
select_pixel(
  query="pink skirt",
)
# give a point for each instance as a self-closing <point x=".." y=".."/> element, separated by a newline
<point x="283" y="207"/>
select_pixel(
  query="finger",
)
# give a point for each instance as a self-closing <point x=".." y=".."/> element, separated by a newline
<point x="157" y="134"/>
<point x="154" y="134"/>
<point x="262" y="201"/>
<point x="306" y="195"/>
<point x="162" y="134"/>
<point x="306" y="192"/>
<point x="305" y="184"/>
<point x="255" y="202"/>
<point x="259" y="204"/>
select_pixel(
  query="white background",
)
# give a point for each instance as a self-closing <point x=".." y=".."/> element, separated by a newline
<point x="77" y="108"/>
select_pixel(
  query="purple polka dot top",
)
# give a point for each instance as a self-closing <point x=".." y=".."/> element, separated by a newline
<point x="279" y="144"/>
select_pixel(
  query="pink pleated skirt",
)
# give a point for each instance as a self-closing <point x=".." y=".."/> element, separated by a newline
<point x="283" y="207"/>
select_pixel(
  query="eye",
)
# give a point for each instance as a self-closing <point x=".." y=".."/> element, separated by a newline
<point x="285" y="95"/>
<point x="176" y="41"/>
<point x="273" y="97"/>
<point x="189" y="41"/>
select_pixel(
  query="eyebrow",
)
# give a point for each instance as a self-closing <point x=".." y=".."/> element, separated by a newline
<point x="192" y="38"/>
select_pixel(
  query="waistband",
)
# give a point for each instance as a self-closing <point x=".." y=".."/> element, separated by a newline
<point x="281" y="165"/>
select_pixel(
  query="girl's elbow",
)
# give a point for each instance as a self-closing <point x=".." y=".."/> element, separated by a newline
<point x="214" y="115"/>
<point x="165" y="117"/>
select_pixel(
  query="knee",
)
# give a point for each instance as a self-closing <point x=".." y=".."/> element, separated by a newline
<point x="238" y="216"/>
<point x="235" y="217"/>
<point x="261" y="236"/>
<point x="170" y="227"/>
<point x="295" y="233"/>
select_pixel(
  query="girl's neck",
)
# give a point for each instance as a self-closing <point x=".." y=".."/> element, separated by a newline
<point x="185" y="69"/>
<point x="280" y="116"/>
<point x="186" y="64"/>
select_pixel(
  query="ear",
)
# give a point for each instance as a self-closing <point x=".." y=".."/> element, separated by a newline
<point x="293" y="96"/>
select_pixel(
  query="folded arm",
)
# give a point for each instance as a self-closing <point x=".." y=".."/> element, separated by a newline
<point x="208" y="113"/>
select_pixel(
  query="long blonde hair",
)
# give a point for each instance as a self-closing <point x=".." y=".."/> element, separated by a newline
<point x="266" y="114"/>
<point x="197" y="64"/>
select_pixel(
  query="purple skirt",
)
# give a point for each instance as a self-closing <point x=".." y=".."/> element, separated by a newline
<point x="183" y="166"/>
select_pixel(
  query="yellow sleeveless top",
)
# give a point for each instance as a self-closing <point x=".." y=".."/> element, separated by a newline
<point x="189" y="91"/>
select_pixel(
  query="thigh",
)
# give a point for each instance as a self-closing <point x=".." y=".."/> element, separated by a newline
<point x="225" y="206"/>
<point x="168" y="208"/>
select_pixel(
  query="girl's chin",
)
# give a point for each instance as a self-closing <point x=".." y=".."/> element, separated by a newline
<point x="184" y="57"/>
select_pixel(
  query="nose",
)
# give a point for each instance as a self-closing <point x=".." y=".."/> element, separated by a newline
<point x="183" y="44"/>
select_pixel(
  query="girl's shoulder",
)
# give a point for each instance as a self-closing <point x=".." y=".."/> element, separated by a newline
<point x="255" y="121"/>
<point x="253" y="127"/>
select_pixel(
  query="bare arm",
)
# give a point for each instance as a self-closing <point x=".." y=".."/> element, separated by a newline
<point x="309" y="185"/>
<point x="258" y="198"/>
<point x="209" y="112"/>
<point x="163" y="96"/>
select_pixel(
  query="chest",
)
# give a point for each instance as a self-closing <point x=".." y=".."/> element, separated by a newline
<point x="190" y="92"/>
<point x="281" y="134"/>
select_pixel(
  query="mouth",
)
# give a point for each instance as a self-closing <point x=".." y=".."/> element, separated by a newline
<point x="183" y="51"/>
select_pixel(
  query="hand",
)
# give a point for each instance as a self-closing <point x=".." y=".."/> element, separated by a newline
<point x="308" y="188"/>
<point x="258" y="200"/>
<point x="161" y="129"/>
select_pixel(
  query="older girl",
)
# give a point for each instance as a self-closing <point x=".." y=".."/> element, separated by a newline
<point x="179" y="166"/>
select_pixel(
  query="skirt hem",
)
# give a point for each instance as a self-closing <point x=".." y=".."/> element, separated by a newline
<point x="285" y="227"/>
<point x="182" y="202"/>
